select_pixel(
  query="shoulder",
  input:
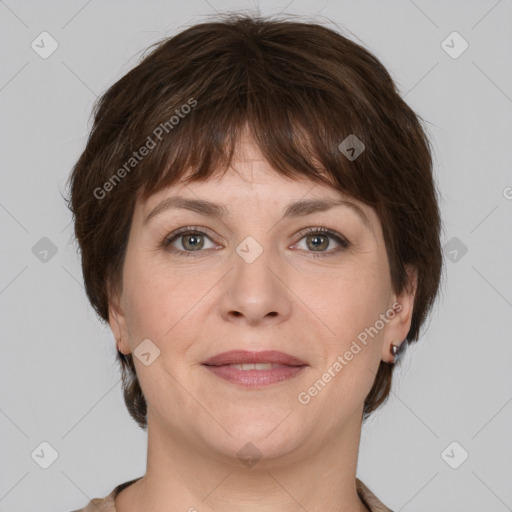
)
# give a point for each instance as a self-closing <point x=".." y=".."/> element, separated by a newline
<point x="106" y="504"/>
<point x="99" y="505"/>
<point x="368" y="498"/>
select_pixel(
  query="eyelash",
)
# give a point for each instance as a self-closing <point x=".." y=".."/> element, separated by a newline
<point x="193" y="230"/>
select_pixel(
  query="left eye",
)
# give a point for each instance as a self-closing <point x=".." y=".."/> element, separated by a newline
<point x="318" y="240"/>
<point x="191" y="241"/>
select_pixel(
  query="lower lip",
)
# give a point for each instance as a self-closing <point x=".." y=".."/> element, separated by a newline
<point x="255" y="378"/>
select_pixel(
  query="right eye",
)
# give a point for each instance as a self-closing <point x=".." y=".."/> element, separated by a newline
<point x="189" y="238"/>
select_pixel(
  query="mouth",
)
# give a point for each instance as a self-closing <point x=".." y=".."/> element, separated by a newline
<point x="254" y="369"/>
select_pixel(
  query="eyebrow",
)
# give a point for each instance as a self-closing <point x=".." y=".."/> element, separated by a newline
<point x="299" y="208"/>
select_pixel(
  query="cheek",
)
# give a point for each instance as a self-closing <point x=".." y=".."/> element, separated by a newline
<point x="345" y="302"/>
<point x="351" y="309"/>
<point x="161" y="302"/>
<point x="150" y="297"/>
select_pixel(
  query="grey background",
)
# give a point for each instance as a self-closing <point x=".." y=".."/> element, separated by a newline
<point x="59" y="381"/>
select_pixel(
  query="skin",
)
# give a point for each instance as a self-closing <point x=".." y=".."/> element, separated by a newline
<point x="313" y="308"/>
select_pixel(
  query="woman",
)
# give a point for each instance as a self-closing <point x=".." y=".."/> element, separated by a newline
<point x="259" y="226"/>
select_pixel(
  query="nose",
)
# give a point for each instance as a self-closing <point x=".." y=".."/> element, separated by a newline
<point x="255" y="291"/>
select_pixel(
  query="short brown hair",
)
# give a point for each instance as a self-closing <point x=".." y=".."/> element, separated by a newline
<point x="301" y="88"/>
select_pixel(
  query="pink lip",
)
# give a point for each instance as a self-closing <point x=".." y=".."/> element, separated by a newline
<point x="244" y="356"/>
<point x="289" y="366"/>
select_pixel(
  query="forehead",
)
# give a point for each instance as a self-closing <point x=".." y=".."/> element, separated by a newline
<point x="245" y="181"/>
<point x="279" y="196"/>
<point x="249" y="173"/>
<point x="251" y="182"/>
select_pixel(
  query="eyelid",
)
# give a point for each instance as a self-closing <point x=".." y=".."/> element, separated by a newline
<point x="325" y="231"/>
<point x="190" y="230"/>
<point x="343" y="242"/>
<point x="186" y="230"/>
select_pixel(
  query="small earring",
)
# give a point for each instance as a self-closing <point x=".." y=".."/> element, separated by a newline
<point x="396" y="351"/>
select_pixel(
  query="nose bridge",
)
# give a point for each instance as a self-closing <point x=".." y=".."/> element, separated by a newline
<point x="252" y="268"/>
<point x="254" y="290"/>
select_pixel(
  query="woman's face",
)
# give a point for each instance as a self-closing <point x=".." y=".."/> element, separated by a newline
<point x="252" y="279"/>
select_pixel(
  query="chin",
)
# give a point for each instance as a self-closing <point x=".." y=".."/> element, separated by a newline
<point x="256" y="440"/>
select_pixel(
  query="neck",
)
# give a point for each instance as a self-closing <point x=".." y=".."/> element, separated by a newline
<point x="182" y="477"/>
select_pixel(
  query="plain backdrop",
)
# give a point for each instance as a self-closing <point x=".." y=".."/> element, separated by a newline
<point x="442" y="442"/>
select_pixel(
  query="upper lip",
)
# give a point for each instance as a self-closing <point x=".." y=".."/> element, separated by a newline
<point x="244" y="356"/>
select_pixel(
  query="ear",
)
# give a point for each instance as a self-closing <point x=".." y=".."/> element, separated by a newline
<point x="117" y="320"/>
<point x="400" y="321"/>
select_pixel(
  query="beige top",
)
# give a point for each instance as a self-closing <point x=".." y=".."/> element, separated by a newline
<point x="107" y="504"/>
